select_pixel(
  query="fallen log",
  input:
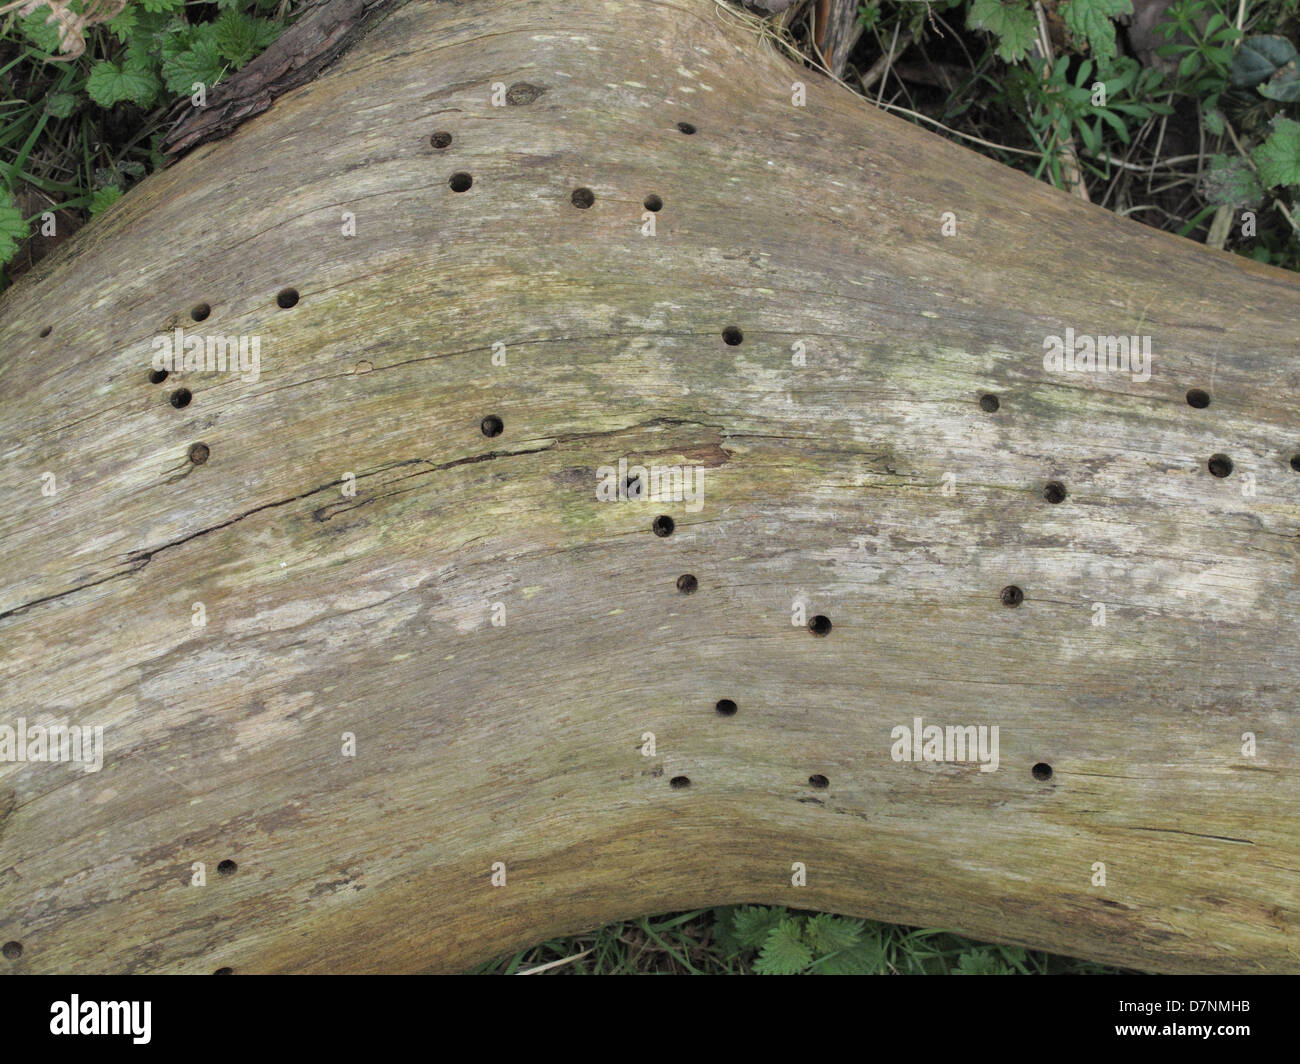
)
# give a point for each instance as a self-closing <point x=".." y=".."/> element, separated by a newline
<point x="394" y="656"/>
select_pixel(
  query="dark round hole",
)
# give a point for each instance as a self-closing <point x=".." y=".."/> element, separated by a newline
<point x="287" y="297"/>
<point x="227" y="868"/>
<point x="653" y="203"/>
<point x="1054" y="491"/>
<point x="1198" y="398"/>
<point x="440" y="140"/>
<point x="663" y="525"/>
<point x="1012" y="595"/>
<point x="224" y="971"/>
<point x="12" y="950"/>
<point x="181" y="397"/>
<point x="686" y="583"/>
<point x="44" y="333"/>
<point x="1295" y="462"/>
<point x="732" y="336"/>
<point x="989" y="403"/>
<point x="1220" y="465"/>
<point x="820" y="625"/>
<point x="157" y="376"/>
<point x="686" y="128"/>
<point x="819" y="781"/>
<point x="725" y="707"/>
<point x="460" y="181"/>
<point x="582" y="198"/>
<point x="1042" y="771"/>
<point x="679" y="782"/>
<point x="200" y="311"/>
<point x="199" y="453"/>
<point x="492" y="426"/>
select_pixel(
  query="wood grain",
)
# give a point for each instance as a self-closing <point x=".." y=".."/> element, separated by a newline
<point x="824" y="488"/>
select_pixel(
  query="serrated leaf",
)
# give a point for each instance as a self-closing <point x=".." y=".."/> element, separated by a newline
<point x="110" y="84"/>
<point x="866" y="958"/>
<point x="1258" y="57"/>
<point x="103" y="198"/>
<point x="828" y="934"/>
<point x="62" y="104"/>
<point x="123" y="24"/>
<point x="1090" y="20"/>
<point x="241" y="37"/>
<point x="784" y="952"/>
<point x="1284" y="85"/>
<point x="157" y="6"/>
<point x="1278" y="158"/>
<point x="202" y="63"/>
<point x="982" y="961"/>
<point x="1012" y="22"/>
<point x="753" y="923"/>
<point x="12" y="228"/>
<point x="43" y="34"/>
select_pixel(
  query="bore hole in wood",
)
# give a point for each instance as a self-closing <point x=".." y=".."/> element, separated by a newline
<point x="12" y="950"/>
<point x="286" y="298"/>
<point x="732" y="336"/>
<point x="200" y="311"/>
<point x="654" y="203"/>
<point x="989" y="402"/>
<point x="1054" y="491"/>
<point x="818" y="781"/>
<point x="725" y="707"/>
<point x="686" y="128"/>
<point x="46" y="331"/>
<point x="582" y="198"/>
<point x="181" y="398"/>
<point x="663" y="525"/>
<point x="1012" y="595"/>
<point x="157" y="376"/>
<point x="460" y="181"/>
<point x="1220" y="465"/>
<point x="687" y="584"/>
<point x="820" y="625"/>
<point x="440" y="140"/>
<point x="199" y="453"/>
<point x="492" y="426"/>
<point x="227" y="868"/>
<point x="1295" y="462"/>
<point x="1198" y="398"/>
<point x="224" y="971"/>
<point x="678" y="783"/>
<point x="1042" y="771"/>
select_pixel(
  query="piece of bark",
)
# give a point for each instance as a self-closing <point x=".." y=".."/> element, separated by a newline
<point x="354" y="537"/>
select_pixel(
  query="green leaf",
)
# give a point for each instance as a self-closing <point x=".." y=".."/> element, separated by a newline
<point x="1013" y="24"/>
<point x="1090" y="20"/>
<point x="156" y="6"/>
<point x="784" y="952"/>
<point x="45" y="35"/>
<point x="1259" y="57"/>
<point x="12" y="227"/>
<point x="751" y="924"/>
<point x="866" y="958"/>
<point x="1230" y="182"/>
<point x="103" y="198"/>
<point x="110" y="84"/>
<point x="1278" y="158"/>
<point x="202" y="63"/>
<point x="62" y="104"/>
<point x="241" y="37"/>
<point x="829" y="934"/>
<point x="981" y="961"/>
<point x="1284" y="85"/>
<point x="123" y="24"/>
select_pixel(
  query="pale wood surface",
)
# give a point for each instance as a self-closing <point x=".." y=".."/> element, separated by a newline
<point x="520" y="743"/>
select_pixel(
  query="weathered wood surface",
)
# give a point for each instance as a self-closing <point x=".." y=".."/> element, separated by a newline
<point x="818" y="226"/>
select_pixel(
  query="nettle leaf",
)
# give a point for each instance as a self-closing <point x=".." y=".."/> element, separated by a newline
<point x="1259" y="57"/>
<point x="1284" y="85"/>
<point x="103" y="198"/>
<point x="202" y="63"/>
<point x="110" y="84"/>
<point x="979" y="962"/>
<point x="1012" y="22"/>
<point x="784" y="952"/>
<point x="1278" y="158"/>
<point x="828" y="934"/>
<point x="1090" y="20"/>
<point x="866" y="958"/>
<point x="12" y="227"/>
<point x="752" y="924"/>
<point x="155" y="6"/>
<point x="45" y="35"/>
<point x="123" y="24"/>
<point x="241" y="37"/>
